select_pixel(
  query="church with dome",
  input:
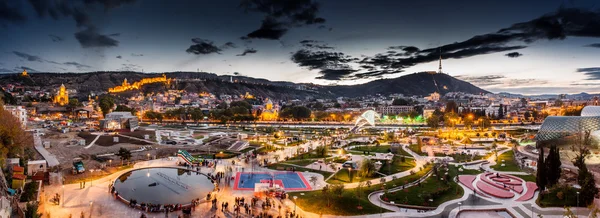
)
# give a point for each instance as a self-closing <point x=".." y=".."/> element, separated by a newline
<point x="62" y="96"/>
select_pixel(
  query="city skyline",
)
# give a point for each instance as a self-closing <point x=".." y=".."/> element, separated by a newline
<point x="530" y="48"/>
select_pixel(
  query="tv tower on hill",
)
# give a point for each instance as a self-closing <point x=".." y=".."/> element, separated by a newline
<point x="440" y="69"/>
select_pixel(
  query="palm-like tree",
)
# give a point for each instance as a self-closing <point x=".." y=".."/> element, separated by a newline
<point x="313" y="180"/>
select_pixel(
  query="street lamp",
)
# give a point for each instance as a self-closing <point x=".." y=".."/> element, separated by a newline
<point x="458" y="214"/>
<point x="110" y="163"/>
<point x="148" y="156"/>
<point x="295" y="197"/>
<point x="577" y="201"/>
<point x="350" y="174"/>
<point x="63" y="196"/>
<point x="91" y="204"/>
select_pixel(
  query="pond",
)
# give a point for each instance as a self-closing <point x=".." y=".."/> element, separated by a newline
<point x="163" y="185"/>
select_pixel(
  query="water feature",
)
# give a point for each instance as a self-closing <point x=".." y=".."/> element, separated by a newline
<point x="163" y="185"/>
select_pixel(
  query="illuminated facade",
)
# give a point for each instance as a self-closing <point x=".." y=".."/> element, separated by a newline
<point x="24" y="73"/>
<point x="62" y="96"/>
<point x="269" y="113"/>
<point x="125" y="86"/>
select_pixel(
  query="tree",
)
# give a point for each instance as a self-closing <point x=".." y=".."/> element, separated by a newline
<point x="451" y="106"/>
<point x="326" y="193"/>
<point x="197" y="114"/>
<point x="321" y="151"/>
<point x="106" y="104"/>
<point x="13" y="139"/>
<point x="73" y="103"/>
<point x="296" y="113"/>
<point x="450" y="119"/>
<point x="541" y="170"/>
<point x="122" y="107"/>
<point x="337" y="189"/>
<point x="313" y="180"/>
<point x="367" y="168"/>
<point x="553" y="165"/>
<point x="585" y="179"/>
<point x="31" y="211"/>
<point x="433" y="121"/>
<point x="400" y="101"/>
<point x="124" y="154"/>
<point x="501" y="111"/>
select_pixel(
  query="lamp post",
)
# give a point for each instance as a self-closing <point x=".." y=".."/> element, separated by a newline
<point x="577" y="201"/>
<point x="458" y="214"/>
<point x="295" y="197"/>
<point x="63" y="196"/>
<point x="110" y="163"/>
<point x="531" y="210"/>
<point x="91" y="204"/>
<point x="350" y="174"/>
<point x="148" y="156"/>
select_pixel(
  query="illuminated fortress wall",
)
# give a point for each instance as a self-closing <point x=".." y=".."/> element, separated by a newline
<point x="137" y="85"/>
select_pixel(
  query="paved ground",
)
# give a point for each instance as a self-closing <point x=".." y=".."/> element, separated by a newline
<point x="96" y="200"/>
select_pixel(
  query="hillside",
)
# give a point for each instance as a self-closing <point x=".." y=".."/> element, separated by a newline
<point x="413" y="84"/>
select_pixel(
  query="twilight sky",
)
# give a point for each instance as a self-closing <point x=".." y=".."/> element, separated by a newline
<point x="529" y="47"/>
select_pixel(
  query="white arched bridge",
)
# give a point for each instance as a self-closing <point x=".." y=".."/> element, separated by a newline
<point x="366" y="118"/>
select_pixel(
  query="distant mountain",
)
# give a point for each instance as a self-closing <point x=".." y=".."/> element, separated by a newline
<point x="421" y="84"/>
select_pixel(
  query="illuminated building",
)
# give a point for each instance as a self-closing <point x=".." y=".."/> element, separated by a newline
<point x="125" y="86"/>
<point x="24" y="73"/>
<point x="62" y="96"/>
<point x="394" y="109"/>
<point x="269" y="113"/>
<point x="433" y="97"/>
<point x="248" y="96"/>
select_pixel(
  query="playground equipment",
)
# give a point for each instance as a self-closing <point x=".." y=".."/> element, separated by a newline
<point x="187" y="157"/>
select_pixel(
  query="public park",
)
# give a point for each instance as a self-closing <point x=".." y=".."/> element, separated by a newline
<point x="362" y="170"/>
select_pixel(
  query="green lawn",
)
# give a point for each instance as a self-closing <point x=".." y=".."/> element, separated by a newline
<point x="415" y="148"/>
<point x="347" y="204"/>
<point x="527" y="178"/>
<point x="302" y="169"/>
<point x="433" y="188"/>
<point x="341" y="177"/>
<point x="310" y="155"/>
<point x="550" y="199"/>
<point x="397" y="165"/>
<point x="510" y="164"/>
<point x="466" y="157"/>
<point x="303" y="162"/>
<point x="376" y="149"/>
<point x="401" y="151"/>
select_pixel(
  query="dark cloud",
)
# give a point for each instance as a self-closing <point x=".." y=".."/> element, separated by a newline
<point x="553" y="26"/>
<point x="282" y="15"/>
<point x="269" y="29"/>
<point x="487" y="80"/>
<point x="11" y="14"/>
<point x="130" y="67"/>
<point x="136" y="55"/>
<point x="594" y="45"/>
<point x="228" y="45"/>
<point x="315" y="44"/>
<point x="119" y="57"/>
<point x="53" y="8"/>
<point x="203" y="47"/>
<point x="247" y="51"/>
<point x="90" y="38"/>
<point x="27" y="68"/>
<point x="110" y="4"/>
<point x="77" y="65"/>
<point x="500" y="81"/>
<point x="331" y="65"/>
<point x="29" y="57"/>
<point x="513" y="55"/>
<point x="55" y="38"/>
<point x="593" y="73"/>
